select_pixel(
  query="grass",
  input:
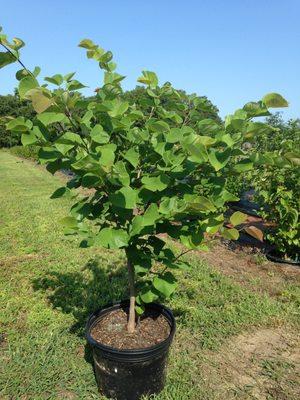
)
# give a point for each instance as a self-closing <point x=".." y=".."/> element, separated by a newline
<point x="49" y="286"/>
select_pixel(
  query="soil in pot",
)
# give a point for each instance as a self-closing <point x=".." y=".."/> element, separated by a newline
<point x="111" y="330"/>
<point x="129" y="366"/>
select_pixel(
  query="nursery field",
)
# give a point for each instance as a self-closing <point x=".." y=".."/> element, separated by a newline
<point x="238" y="316"/>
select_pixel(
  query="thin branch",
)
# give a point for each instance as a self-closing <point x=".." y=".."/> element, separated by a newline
<point x="17" y="59"/>
<point x="181" y="254"/>
<point x="151" y="112"/>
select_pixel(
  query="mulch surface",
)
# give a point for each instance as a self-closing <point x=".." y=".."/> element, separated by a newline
<point x="111" y="331"/>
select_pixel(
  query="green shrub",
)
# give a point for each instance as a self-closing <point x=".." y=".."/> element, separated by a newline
<point x="278" y="193"/>
<point x="12" y="106"/>
<point x="30" y="152"/>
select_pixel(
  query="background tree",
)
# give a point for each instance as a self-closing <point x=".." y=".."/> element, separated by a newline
<point x="13" y="106"/>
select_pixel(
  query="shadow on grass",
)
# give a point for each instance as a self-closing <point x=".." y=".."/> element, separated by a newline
<point x="81" y="293"/>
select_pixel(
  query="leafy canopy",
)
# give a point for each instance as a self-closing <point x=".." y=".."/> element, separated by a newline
<point x="150" y="174"/>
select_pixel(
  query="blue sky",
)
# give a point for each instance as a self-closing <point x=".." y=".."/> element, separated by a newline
<point x="232" y="51"/>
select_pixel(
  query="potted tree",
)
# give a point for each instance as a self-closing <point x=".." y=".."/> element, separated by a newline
<point x="151" y="176"/>
<point x="278" y="193"/>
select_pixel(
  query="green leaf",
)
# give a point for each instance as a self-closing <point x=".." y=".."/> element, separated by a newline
<point x="198" y="152"/>
<point x="87" y="44"/>
<point x="98" y="135"/>
<point x="69" y="222"/>
<point x="148" y="295"/>
<point x="53" y="166"/>
<point x="6" y="58"/>
<point x="149" y="218"/>
<point x="124" y="198"/>
<point x="112" y="238"/>
<point x="28" y="139"/>
<point x="71" y="137"/>
<point x="87" y="163"/>
<point x="231" y="234"/>
<point x="238" y="218"/>
<point x="90" y="180"/>
<point x="21" y="74"/>
<point x="36" y="71"/>
<point x="193" y="240"/>
<point x="184" y="266"/>
<point x="105" y="58"/>
<point x="165" y="284"/>
<point x="171" y="205"/>
<point x="62" y="147"/>
<point x="39" y="101"/>
<point x="48" y="118"/>
<point x="18" y="44"/>
<point x="175" y="135"/>
<point x="55" y="79"/>
<point x="112" y="77"/>
<point x="256" y="109"/>
<point x="151" y="215"/>
<point x="139" y="309"/>
<point x="119" y="107"/>
<point x="206" y="140"/>
<point x="132" y="156"/>
<point x="19" y="124"/>
<point x="69" y="76"/>
<point x="27" y="83"/>
<point x="197" y="203"/>
<point x="67" y="141"/>
<point x="149" y="78"/>
<point x="219" y="159"/>
<point x="274" y="100"/>
<point x="136" y="225"/>
<point x="62" y="191"/>
<point x="156" y="183"/>
<point x="75" y="85"/>
<point x="293" y="157"/>
<point x="243" y="165"/>
<point x="121" y="172"/>
<point x="158" y="126"/>
<point x="48" y="154"/>
<point x="107" y="154"/>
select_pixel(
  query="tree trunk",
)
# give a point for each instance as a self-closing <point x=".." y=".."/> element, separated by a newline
<point x="131" y="319"/>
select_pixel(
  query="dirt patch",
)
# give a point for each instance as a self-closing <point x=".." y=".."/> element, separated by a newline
<point x="3" y="340"/>
<point x="66" y="395"/>
<point x="262" y="365"/>
<point x="18" y="259"/>
<point x="112" y="331"/>
<point x="248" y="267"/>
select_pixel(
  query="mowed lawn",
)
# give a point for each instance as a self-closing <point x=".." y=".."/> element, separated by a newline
<point x="48" y="287"/>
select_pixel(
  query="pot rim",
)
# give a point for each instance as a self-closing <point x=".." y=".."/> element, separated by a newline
<point x="272" y="255"/>
<point x="146" y="351"/>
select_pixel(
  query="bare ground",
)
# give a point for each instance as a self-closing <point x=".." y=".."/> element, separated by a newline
<point x="248" y="266"/>
<point x="261" y="365"/>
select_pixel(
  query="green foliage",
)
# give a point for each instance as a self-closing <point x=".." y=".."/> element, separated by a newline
<point x="12" y="106"/>
<point x="199" y="107"/>
<point x="155" y="170"/>
<point x="280" y="135"/>
<point x="30" y="152"/>
<point x="278" y="193"/>
<point x="276" y="180"/>
<point x="12" y="49"/>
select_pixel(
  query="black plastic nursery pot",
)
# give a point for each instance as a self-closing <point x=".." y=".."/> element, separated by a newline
<point x="130" y="374"/>
<point x="275" y="256"/>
